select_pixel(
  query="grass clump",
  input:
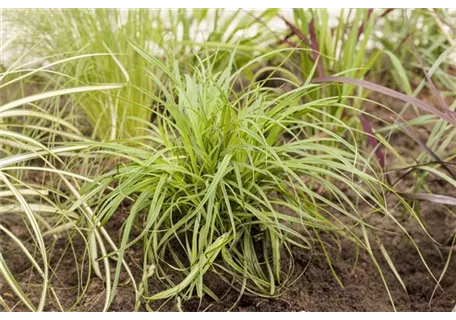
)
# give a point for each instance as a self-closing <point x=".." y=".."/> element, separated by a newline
<point x="229" y="183"/>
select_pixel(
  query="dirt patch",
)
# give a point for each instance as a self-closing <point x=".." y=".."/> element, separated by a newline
<point x="315" y="290"/>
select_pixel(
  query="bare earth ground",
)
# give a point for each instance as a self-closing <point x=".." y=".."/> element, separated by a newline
<point x="315" y="290"/>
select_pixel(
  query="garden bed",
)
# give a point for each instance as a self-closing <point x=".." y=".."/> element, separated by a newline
<point x="315" y="289"/>
<point x="150" y="165"/>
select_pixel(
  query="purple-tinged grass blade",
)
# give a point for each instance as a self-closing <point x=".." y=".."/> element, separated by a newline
<point x="315" y="47"/>
<point x="447" y="115"/>
<point x="387" y="11"/>
<point x="367" y="127"/>
<point x="370" y="11"/>
<point x="361" y="27"/>
<point x="290" y="43"/>
<point x="286" y="38"/>
<point x="296" y="31"/>
<point x="435" y="198"/>
<point x="312" y="42"/>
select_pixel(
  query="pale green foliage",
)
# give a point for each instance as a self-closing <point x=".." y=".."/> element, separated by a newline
<point x="30" y="130"/>
<point x="169" y="34"/>
<point x="230" y="183"/>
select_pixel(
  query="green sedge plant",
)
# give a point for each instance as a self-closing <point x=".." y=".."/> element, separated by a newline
<point x="228" y="183"/>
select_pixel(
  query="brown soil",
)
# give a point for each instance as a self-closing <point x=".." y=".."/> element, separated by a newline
<point x="315" y="290"/>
